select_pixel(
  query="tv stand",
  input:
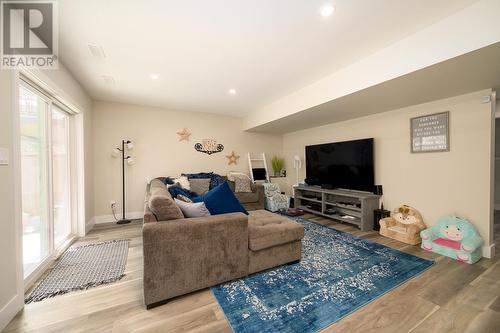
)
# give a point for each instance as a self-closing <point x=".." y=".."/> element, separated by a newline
<point x="351" y="207"/>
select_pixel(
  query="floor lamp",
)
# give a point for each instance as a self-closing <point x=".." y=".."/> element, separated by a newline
<point x="126" y="144"/>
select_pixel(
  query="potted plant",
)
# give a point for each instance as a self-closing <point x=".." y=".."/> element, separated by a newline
<point x="278" y="163"/>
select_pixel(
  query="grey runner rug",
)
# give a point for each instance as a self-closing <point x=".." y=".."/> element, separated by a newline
<point x="83" y="267"/>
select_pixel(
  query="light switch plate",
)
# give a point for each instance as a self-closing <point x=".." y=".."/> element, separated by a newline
<point x="4" y="156"/>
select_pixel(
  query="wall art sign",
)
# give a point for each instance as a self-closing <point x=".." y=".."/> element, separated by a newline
<point x="430" y="133"/>
<point x="209" y="146"/>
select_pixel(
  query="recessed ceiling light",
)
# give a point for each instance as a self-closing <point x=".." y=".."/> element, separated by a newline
<point x="232" y="91"/>
<point x="154" y="76"/>
<point x="327" y="10"/>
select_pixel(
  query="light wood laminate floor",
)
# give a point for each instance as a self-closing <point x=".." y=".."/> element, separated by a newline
<point x="449" y="297"/>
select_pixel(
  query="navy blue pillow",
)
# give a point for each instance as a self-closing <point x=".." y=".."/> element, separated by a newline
<point x="221" y="200"/>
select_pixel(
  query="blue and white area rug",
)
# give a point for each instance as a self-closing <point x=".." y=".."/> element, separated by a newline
<point x="338" y="274"/>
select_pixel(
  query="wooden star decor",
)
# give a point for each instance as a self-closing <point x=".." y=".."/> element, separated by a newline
<point x="232" y="159"/>
<point x="184" y="135"/>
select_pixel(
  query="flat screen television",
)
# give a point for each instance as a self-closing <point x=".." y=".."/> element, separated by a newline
<point x="345" y="165"/>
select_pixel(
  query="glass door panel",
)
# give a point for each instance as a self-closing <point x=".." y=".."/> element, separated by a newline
<point x="60" y="176"/>
<point x="33" y="128"/>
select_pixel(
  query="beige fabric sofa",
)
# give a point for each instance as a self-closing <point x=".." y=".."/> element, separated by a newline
<point x="187" y="254"/>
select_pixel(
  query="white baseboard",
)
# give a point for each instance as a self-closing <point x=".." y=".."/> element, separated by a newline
<point x="110" y="218"/>
<point x="10" y="310"/>
<point x="489" y="251"/>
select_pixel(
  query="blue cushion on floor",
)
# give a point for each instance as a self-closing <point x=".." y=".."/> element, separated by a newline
<point x="221" y="200"/>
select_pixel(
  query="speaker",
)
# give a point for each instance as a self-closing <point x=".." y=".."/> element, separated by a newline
<point x="378" y="190"/>
<point x="312" y="181"/>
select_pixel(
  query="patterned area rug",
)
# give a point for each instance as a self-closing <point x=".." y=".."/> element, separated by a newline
<point x="83" y="267"/>
<point x="338" y="274"/>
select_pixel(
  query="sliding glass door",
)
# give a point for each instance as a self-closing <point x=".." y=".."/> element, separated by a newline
<point x="60" y="176"/>
<point x="45" y="175"/>
<point x="33" y="111"/>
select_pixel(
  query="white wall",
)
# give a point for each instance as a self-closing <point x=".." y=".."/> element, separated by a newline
<point x="158" y="152"/>
<point x="455" y="182"/>
<point x="472" y="28"/>
<point x="11" y="297"/>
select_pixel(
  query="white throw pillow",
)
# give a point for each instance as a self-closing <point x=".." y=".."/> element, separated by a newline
<point x="192" y="209"/>
<point x="183" y="181"/>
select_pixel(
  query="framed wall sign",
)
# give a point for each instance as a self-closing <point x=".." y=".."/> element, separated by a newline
<point x="430" y="133"/>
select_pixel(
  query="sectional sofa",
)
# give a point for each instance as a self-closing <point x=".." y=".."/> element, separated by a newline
<point x="182" y="255"/>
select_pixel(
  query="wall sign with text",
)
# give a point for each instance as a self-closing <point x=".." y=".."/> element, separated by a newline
<point x="430" y="133"/>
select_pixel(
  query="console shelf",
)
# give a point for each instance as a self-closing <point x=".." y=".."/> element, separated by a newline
<point x="351" y="207"/>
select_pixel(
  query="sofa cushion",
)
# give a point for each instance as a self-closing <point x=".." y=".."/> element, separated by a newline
<point x="221" y="200"/>
<point x="247" y="197"/>
<point x="266" y="229"/>
<point x="232" y="185"/>
<point x="199" y="185"/>
<point x="161" y="203"/>
<point x="215" y="179"/>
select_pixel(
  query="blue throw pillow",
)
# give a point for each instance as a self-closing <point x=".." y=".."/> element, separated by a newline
<point x="221" y="200"/>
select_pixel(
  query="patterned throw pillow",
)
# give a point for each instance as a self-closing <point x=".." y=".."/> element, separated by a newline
<point x="242" y="183"/>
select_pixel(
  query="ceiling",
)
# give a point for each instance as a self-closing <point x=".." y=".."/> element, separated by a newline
<point x="200" y="49"/>
<point x="470" y="72"/>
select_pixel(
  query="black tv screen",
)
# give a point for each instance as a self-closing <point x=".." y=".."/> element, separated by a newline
<point x="346" y="165"/>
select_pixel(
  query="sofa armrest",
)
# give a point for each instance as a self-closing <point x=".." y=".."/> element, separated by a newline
<point x="472" y="244"/>
<point x="259" y="188"/>
<point x="429" y="234"/>
<point x="181" y="256"/>
<point x="387" y="222"/>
